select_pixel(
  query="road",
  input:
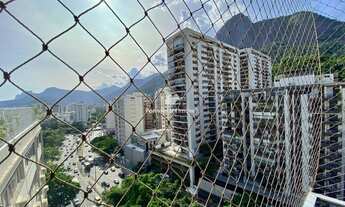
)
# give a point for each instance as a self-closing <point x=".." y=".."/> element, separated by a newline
<point x="76" y="168"/>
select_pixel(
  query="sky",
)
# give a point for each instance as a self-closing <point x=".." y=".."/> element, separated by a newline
<point x="48" y="18"/>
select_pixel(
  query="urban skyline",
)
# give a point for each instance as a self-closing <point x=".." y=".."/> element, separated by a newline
<point x="229" y="104"/>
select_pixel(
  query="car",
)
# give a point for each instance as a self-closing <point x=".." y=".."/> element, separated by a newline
<point x="105" y="184"/>
<point x="75" y="171"/>
<point x="116" y="181"/>
<point x="121" y="175"/>
<point x="113" y="169"/>
<point x="88" y="188"/>
<point x="76" y="202"/>
<point x="98" y="199"/>
<point x="74" y="163"/>
<point x="106" y="172"/>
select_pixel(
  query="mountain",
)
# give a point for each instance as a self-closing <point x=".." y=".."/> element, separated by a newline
<point x="50" y="95"/>
<point x="277" y="34"/>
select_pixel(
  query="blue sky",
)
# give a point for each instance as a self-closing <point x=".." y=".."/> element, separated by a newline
<point x="81" y="52"/>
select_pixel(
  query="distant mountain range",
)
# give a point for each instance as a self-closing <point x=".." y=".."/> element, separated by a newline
<point x="50" y="95"/>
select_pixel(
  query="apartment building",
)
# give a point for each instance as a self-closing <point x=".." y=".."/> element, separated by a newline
<point x="272" y="136"/>
<point x="20" y="179"/>
<point x="256" y="69"/>
<point x="129" y="111"/>
<point x="200" y="70"/>
<point x="331" y="174"/>
<point x="149" y="110"/>
<point x="74" y="112"/>
<point x="79" y="112"/>
<point x="163" y="107"/>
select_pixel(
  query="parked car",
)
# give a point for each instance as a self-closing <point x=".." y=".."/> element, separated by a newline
<point x="116" y="181"/>
<point x="98" y="199"/>
<point x="76" y="202"/>
<point x="88" y="188"/>
<point x="121" y="175"/>
<point x="106" y="172"/>
<point x="113" y="169"/>
<point x="105" y="184"/>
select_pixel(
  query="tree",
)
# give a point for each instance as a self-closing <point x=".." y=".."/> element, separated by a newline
<point x="79" y="125"/>
<point x="53" y="137"/>
<point x="105" y="143"/>
<point x="135" y="193"/>
<point x="59" y="193"/>
<point x="51" y="153"/>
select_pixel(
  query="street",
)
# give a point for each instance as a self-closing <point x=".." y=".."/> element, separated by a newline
<point x="82" y="167"/>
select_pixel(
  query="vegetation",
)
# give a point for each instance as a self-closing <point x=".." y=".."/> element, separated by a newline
<point x="292" y="65"/>
<point x="105" y="143"/>
<point x="334" y="64"/>
<point x="208" y="161"/>
<point x="59" y="193"/>
<point x="79" y="125"/>
<point x="135" y="193"/>
<point x="53" y="138"/>
<point x="329" y="64"/>
<point x="53" y="133"/>
<point x="244" y="199"/>
<point x="66" y="129"/>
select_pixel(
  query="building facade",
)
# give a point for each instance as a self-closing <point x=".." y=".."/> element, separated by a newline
<point x="129" y="115"/>
<point x="79" y="112"/>
<point x="74" y="112"/>
<point x="331" y="174"/>
<point x="256" y="69"/>
<point x="163" y="108"/>
<point x="273" y="136"/>
<point x="20" y="179"/>
<point x="200" y="70"/>
<point x="150" y="116"/>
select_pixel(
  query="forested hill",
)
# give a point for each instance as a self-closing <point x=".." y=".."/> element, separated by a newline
<point x="291" y="38"/>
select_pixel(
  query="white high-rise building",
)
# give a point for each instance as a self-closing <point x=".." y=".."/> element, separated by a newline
<point x="74" y="112"/>
<point x="256" y="69"/>
<point x="131" y="108"/>
<point x="79" y="112"/>
<point x="200" y="70"/>
<point x="163" y="107"/>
